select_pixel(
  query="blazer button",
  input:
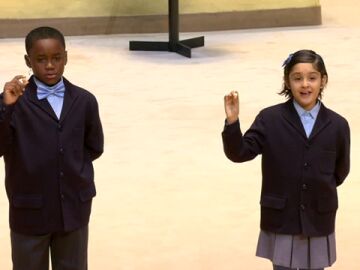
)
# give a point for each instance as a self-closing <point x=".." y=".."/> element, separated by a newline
<point x="61" y="174"/>
<point x="59" y="127"/>
<point x="304" y="186"/>
<point x="302" y="207"/>
<point x="306" y="164"/>
<point x="61" y="150"/>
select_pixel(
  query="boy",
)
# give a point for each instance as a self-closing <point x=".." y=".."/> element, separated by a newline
<point x="50" y="132"/>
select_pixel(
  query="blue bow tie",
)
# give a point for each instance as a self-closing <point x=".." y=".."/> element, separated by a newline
<point x="57" y="90"/>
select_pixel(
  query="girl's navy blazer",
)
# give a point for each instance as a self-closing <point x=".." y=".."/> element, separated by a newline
<point x="48" y="161"/>
<point x="299" y="174"/>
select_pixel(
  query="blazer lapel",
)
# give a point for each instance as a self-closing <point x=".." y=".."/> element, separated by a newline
<point x="322" y="120"/>
<point x="292" y="117"/>
<point x="69" y="98"/>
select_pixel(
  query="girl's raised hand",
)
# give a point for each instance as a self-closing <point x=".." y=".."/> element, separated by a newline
<point x="14" y="89"/>
<point x="231" y="103"/>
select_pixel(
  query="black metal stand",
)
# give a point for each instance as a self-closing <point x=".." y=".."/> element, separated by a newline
<point x="182" y="47"/>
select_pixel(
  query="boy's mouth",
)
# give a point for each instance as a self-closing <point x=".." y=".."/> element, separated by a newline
<point x="50" y="76"/>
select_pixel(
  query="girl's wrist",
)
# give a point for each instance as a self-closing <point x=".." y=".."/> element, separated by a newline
<point x="231" y="120"/>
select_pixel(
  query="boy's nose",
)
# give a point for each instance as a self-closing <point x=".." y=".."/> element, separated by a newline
<point x="49" y="64"/>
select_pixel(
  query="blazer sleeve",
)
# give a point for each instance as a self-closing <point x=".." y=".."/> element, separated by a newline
<point x="94" y="137"/>
<point x="343" y="154"/>
<point x="239" y="147"/>
<point x="5" y="127"/>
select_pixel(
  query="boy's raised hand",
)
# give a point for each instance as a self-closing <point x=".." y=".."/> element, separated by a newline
<point x="14" y="89"/>
<point x="231" y="103"/>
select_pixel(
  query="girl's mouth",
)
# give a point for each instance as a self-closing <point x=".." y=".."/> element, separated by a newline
<point x="305" y="93"/>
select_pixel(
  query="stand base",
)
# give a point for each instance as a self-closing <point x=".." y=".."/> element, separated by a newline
<point x="182" y="47"/>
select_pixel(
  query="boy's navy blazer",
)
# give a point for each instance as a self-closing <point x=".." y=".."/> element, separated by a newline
<point x="48" y="161"/>
<point x="299" y="174"/>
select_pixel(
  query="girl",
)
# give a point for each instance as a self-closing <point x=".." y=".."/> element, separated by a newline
<point x="305" y="150"/>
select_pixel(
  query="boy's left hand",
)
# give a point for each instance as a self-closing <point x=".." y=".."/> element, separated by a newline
<point x="14" y="89"/>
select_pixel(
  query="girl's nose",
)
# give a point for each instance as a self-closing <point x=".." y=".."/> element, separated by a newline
<point x="305" y="83"/>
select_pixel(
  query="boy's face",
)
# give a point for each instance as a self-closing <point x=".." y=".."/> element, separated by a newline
<point x="47" y="58"/>
<point x="305" y="83"/>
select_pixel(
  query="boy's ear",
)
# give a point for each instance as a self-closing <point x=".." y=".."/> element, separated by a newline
<point x="65" y="61"/>
<point x="27" y="60"/>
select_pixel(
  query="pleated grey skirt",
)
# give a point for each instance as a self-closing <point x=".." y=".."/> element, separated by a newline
<point x="296" y="251"/>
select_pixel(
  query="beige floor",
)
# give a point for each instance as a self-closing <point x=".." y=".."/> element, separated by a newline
<point x="168" y="199"/>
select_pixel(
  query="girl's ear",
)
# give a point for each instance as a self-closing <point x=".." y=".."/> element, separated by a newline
<point x="286" y="82"/>
<point x="27" y="60"/>
<point x="324" y="81"/>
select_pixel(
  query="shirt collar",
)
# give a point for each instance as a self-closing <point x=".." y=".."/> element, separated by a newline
<point x="313" y="112"/>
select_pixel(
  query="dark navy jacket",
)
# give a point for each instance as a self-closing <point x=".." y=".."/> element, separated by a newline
<point x="48" y="162"/>
<point x="299" y="174"/>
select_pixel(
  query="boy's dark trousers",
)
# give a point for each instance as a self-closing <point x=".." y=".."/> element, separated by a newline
<point x="276" y="267"/>
<point x="68" y="250"/>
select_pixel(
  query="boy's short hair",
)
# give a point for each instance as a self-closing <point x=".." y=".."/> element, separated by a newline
<point x="43" y="32"/>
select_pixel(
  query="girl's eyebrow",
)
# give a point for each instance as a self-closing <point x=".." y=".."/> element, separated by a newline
<point x="300" y="73"/>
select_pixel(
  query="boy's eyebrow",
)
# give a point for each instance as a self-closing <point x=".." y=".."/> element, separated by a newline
<point x="44" y="55"/>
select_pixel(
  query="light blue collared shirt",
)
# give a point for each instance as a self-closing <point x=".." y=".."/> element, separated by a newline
<point x="307" y="117"/>
<point x="55" y="101"/>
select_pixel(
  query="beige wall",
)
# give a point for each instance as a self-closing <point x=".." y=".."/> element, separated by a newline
<point x="17" y="9"/>
<point x="89" y="17"/>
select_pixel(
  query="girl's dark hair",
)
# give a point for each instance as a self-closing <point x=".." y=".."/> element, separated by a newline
<point x="302" y="56"/>
<point x="43" y="32"/>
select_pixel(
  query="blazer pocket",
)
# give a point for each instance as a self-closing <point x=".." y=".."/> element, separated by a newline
<point x="32" y="201"/>
<point x="272" y="202"/>
<point x="88" y="193"/>
<point x="327" y="162"/>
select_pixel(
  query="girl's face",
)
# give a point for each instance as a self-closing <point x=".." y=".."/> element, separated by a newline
<point x="305" y="83"/>
<point x="47" y="58"/>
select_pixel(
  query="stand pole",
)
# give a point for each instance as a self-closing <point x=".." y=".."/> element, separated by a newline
<point x="182" y="47"/>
